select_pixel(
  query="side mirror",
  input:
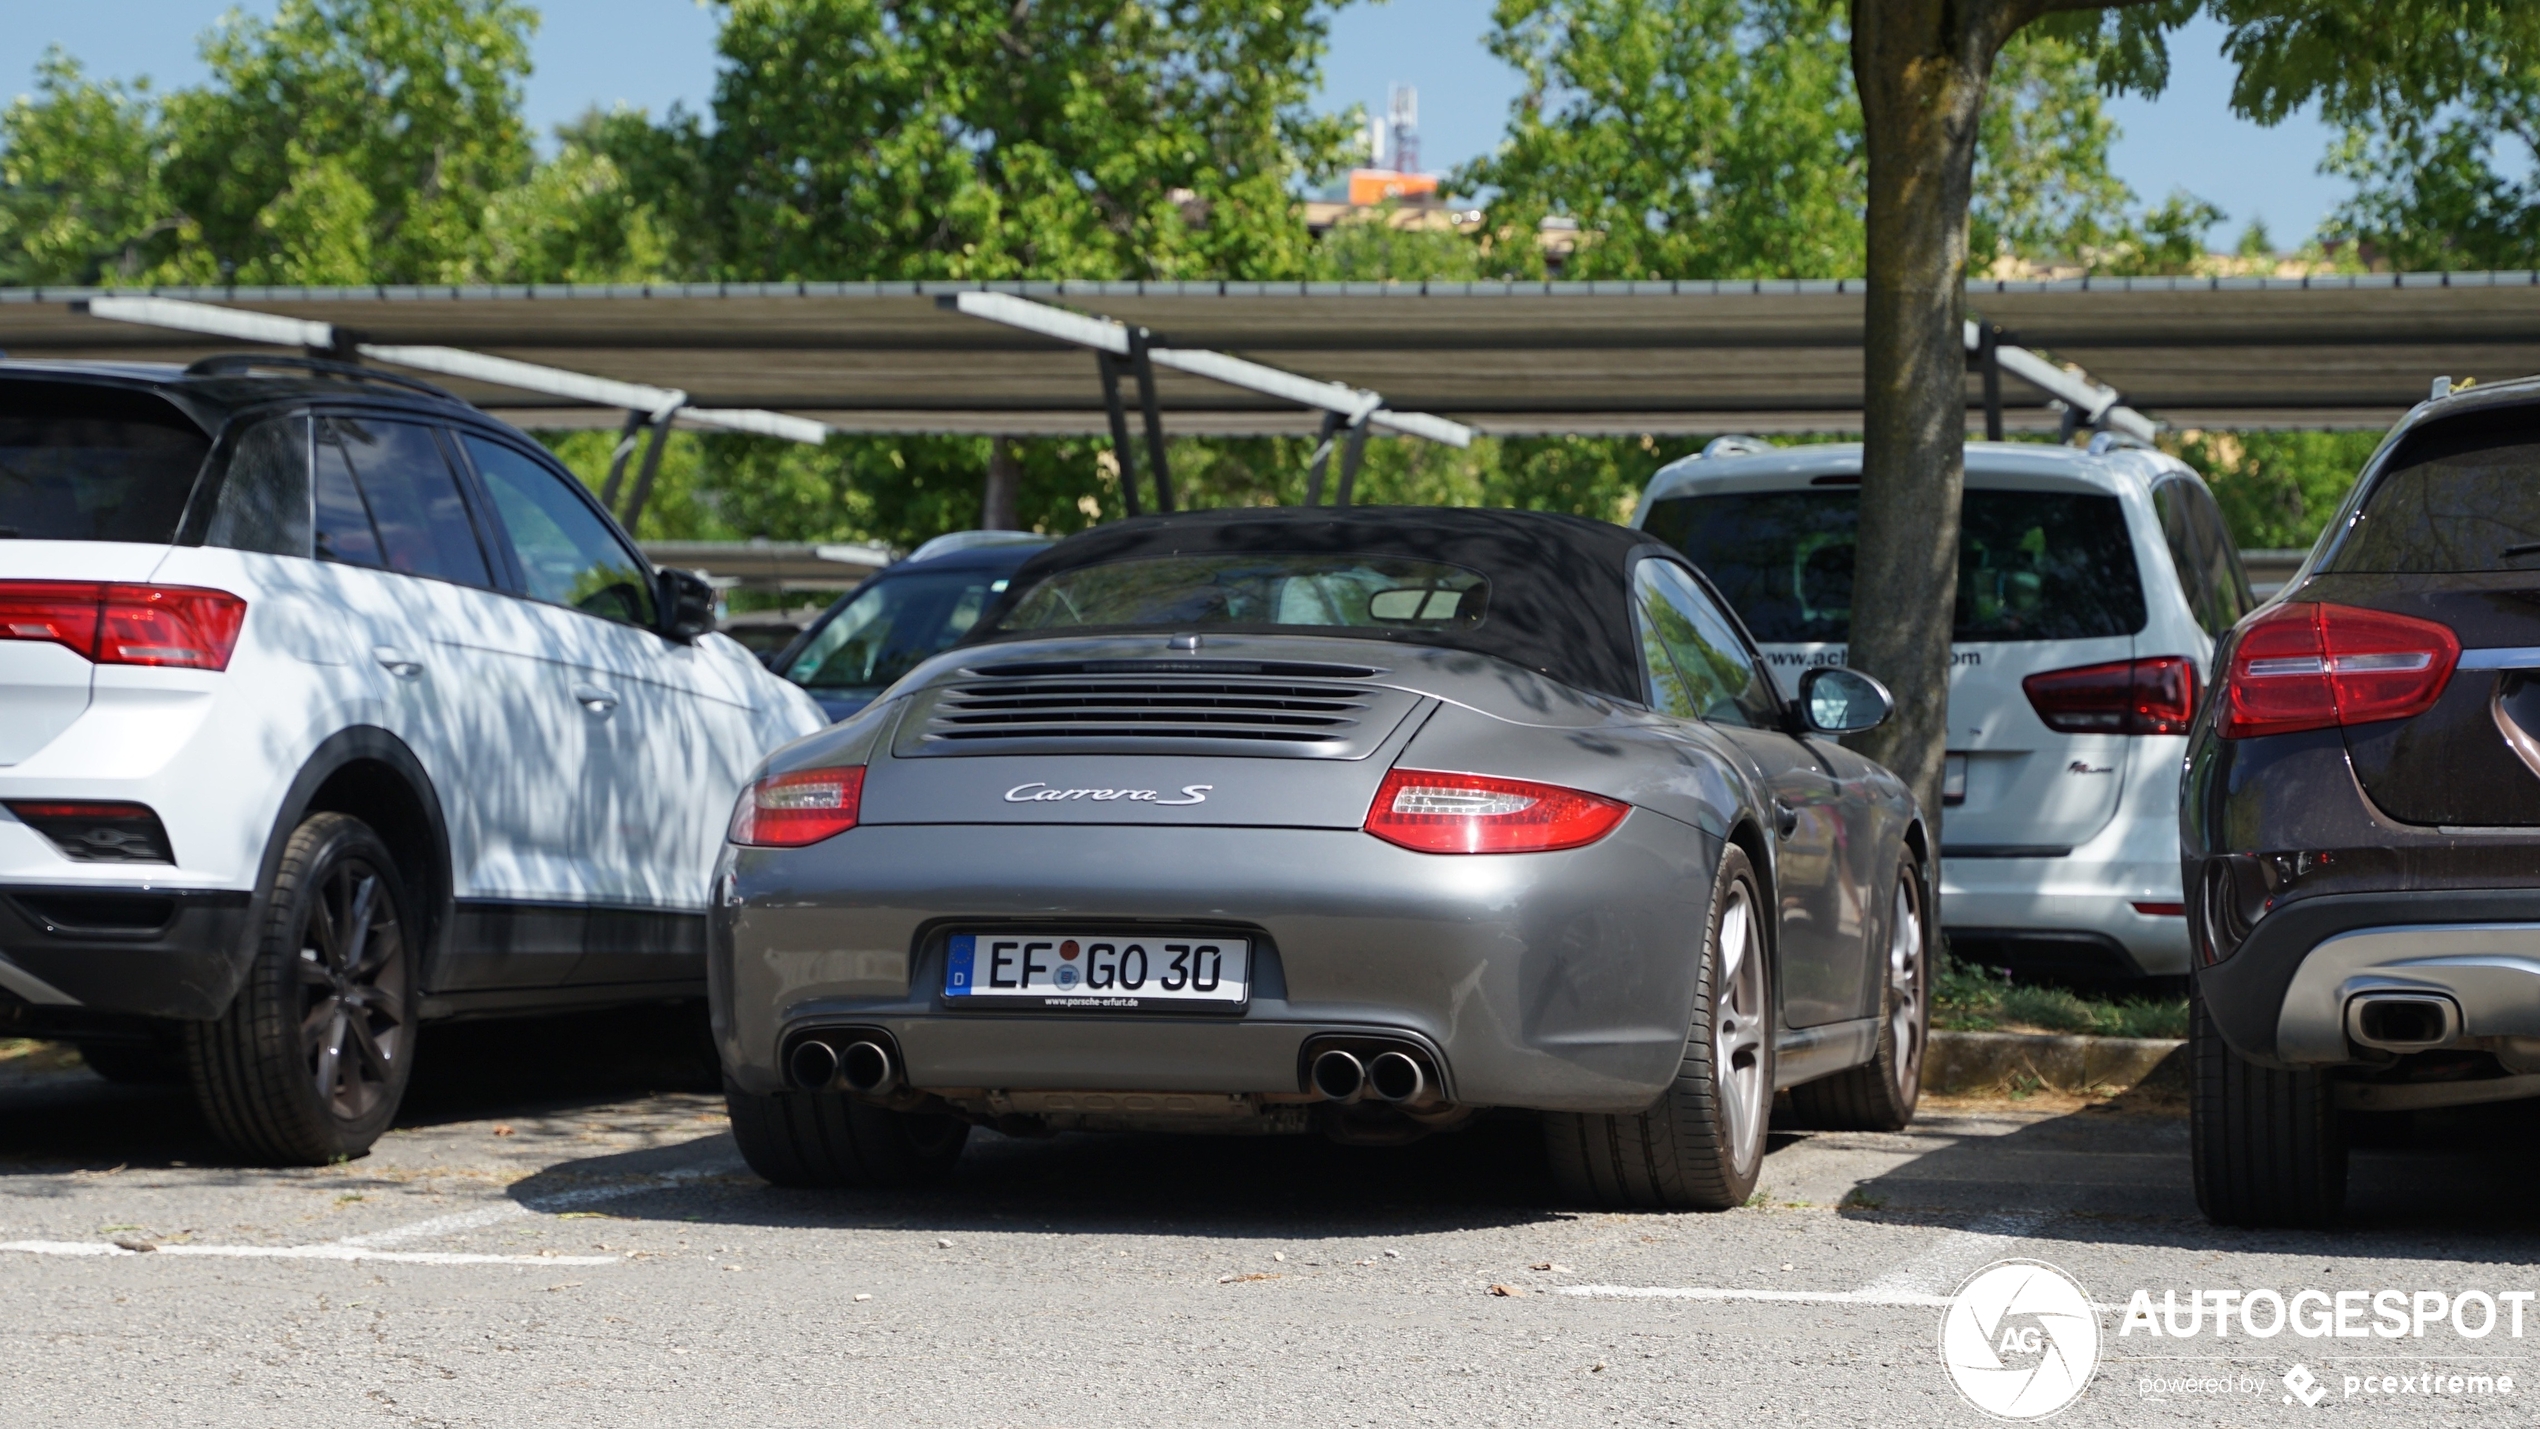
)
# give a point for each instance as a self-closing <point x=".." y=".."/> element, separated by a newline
<point x="1834" y="700"/>
<point x="686" y="603"/>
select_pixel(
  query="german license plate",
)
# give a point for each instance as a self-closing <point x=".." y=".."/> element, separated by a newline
<point x="1074" y="972"/>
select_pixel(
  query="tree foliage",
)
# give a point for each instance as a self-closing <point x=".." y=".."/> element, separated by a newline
<point x="2276" y="489"/>
<point x="342" y="141"/>
<point x="994" y="139"/>
<point x="1722" y="139"/>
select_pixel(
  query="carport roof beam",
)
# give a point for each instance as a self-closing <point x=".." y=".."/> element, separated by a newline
<point x="2096" y="403"/>
<point x="657" y="403"/>
<point x="1354" y="404"/>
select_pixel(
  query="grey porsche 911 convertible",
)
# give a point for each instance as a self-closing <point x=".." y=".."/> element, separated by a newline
<point x="1364" y="821"/>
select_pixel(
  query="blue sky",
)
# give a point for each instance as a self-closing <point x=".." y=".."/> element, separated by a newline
<point x="650" y="53"/>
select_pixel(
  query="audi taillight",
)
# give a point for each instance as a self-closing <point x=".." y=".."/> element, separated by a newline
<point x="2150" y="696"/>
<point x="792" y="810"/>
<point x="1475" y="813"/>
<point x="180" y="627"/>
<point x="2312" y="665"/>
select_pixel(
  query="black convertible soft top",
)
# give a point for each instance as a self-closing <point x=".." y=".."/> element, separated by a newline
<point x="1559" y="601"/>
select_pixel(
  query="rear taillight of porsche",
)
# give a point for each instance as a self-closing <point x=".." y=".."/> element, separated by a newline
<point x="178" y="627"/>
<point x="2149" y="696"/>
<point x="797" y="809"/>
<point x="2312" y="665"/>
<point x="1435" y="812"/>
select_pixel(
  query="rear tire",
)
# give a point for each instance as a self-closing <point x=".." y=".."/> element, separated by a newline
<point x="310" y="1061"/>
<point x="825" y="1141"/>
<point x="1881" y="1094"/>
<point x="1701" y="1146"/>
<point x="2269" y="1147"/>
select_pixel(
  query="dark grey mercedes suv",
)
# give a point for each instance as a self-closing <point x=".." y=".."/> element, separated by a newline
<point x="2361" y="819"/>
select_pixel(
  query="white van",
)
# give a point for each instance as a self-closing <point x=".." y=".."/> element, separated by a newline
<point x="2091" y="586"/>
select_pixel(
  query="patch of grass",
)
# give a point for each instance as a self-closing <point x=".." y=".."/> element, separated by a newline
<point x="1970" y="998"/>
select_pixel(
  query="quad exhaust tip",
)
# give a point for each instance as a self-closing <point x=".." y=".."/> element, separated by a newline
<point x="1397" y="1077"/>
<point x="2403" y="1022"/>
<point x="868" y="1068"/>
<point x="814" y="1064"/>
<point x="1339" y="1076"/>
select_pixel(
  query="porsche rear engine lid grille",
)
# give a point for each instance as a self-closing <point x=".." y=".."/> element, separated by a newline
<point x="1177" y="707"/>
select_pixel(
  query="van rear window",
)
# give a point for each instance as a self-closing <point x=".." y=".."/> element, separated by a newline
<point x="87" y="463"/>
<point x="2032" y="565"/>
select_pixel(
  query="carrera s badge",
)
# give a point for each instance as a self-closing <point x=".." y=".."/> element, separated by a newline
<point x="1039" y="793"/>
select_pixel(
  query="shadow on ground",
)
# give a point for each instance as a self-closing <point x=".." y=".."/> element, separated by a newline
<point x="53" y="1117"/>
<point x="2453" y="1184"/>
<point x="1491" y="1174"/>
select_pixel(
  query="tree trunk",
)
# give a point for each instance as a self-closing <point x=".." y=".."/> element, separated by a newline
<point x="1921" y="67"/>
<point x="1004" y="484"/>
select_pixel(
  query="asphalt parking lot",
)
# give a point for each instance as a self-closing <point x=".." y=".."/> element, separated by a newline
<point x="591" y="1251"/>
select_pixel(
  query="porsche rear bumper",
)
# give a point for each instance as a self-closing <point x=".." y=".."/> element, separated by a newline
<point x="1556" y="981"/>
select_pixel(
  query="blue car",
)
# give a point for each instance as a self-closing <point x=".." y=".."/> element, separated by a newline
<point x="881" y="630"/>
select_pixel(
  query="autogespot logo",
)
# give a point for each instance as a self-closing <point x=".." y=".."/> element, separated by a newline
<point x="2020" y="1339"/>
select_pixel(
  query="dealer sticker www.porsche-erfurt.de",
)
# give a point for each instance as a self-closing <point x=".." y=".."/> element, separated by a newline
<point x="1097" y="973"/>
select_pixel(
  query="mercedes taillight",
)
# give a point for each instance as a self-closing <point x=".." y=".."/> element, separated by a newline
<point x="2312" y="665"/>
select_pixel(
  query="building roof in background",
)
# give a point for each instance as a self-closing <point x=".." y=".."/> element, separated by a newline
<point x="1613" y="358"/>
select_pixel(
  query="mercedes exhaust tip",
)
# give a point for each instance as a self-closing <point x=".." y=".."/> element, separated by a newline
<point x="868" y="1068"/>
<point x="1339" y="1076"/>
<point x="1397" y="1077"/>
<point x="814" y="1064"/>
<point x="2403" y="1022"/>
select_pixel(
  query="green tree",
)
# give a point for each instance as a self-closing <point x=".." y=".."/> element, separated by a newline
<point x="1722" y="139"/>
<point x="83" y="197"/>
<point x="2276" y="489"/>
<point x="342" y="141"/>
<point x="1386" y="245"/>
<point x="366" y="137"/>
<point x="2450" y="189"/>
<point x="996" y="139"/>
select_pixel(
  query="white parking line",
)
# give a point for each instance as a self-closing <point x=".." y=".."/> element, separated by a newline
<point x="1959" y="1253"/>
<point x="1700" y="1292"/>
<point x="459" y="1221"/>
<point x="301" y="1252"/>
<point x="1917" y="1280"/>
<point x="367" y="1247"/>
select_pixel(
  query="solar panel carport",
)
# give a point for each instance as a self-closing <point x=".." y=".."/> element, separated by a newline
<point x="1511" y="359"/>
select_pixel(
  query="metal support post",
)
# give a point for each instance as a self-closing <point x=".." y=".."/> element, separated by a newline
<point x="1322" y="458"/>
<point x="617" y="458"/>
<point x="651" y="468"/>
<point x="1122" y="454"/>
<point x="1989" y="357"/>
<point x="1138" y="338"/>
<point x="1350" y="457"/>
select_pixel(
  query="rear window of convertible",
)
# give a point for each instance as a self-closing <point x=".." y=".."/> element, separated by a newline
<point x="2032" y="565"/>
<point x="1256" y="591"/>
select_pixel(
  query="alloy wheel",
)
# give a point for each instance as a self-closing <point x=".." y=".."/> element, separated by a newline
<point x="1738" y="1027"/>
<point x="1905" y="990"/>
<point x="352" y="968"/>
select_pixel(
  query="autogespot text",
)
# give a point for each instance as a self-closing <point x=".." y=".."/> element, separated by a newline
<point x="2327" y="1314"/>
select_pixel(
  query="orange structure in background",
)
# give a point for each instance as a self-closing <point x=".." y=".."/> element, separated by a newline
<point x="1369" y="187"/>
